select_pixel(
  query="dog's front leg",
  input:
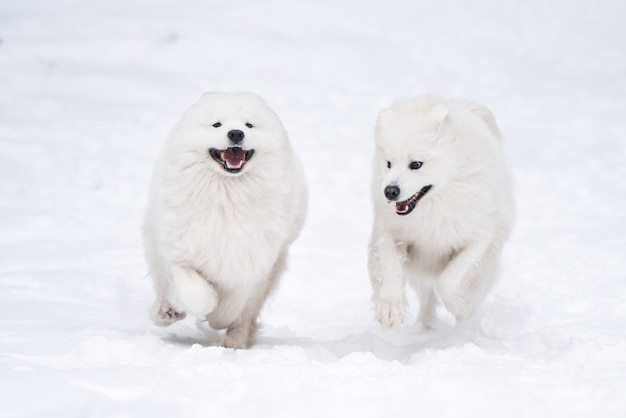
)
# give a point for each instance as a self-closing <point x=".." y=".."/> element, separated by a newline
<point x="386" y="257"/>
<point x="467" y="277"/>
<point x="242" y="333"/>
<point x="192" y="292"/>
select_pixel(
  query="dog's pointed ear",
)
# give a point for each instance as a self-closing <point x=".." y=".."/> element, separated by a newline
<point x="384" y="116"/>
<point x="487" y="117"/>
<point x="439" y="112"/>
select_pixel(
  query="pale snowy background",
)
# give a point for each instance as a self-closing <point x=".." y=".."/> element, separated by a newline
<point x="89" y="90"/>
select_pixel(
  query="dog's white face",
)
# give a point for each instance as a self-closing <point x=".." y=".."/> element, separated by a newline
<point x="414" y="157"/>
<point x="230" y="131"/>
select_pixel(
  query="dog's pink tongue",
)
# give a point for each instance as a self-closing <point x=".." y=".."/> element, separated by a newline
<point x="234" y="157"/>
<point x="402" y="206"/>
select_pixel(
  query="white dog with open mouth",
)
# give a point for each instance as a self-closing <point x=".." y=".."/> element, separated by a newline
<point x="443" y="207"/>
<point x="228" y="197"/>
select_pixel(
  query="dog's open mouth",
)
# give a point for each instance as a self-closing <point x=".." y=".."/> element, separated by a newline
<point x="406" y="206"/>
<point x="231" y="159"/>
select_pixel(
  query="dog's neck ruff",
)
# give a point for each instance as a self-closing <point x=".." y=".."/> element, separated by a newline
<point x="406" y="206"/>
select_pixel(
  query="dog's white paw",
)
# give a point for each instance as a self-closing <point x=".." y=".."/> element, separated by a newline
<point x="239" y="337"/>
<point x="163" y="314"/>
<point x="235" y="343"/>
<point x="390" y="313"/>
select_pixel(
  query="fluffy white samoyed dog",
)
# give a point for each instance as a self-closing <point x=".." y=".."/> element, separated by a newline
<point x="228" y="197"/>
<point x="443" y="207"/>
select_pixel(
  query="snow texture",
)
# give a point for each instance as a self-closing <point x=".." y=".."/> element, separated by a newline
<point x="90" y="89"/>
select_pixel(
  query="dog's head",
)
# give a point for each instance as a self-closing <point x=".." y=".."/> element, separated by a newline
<point x="230" y="131"/>
<point x="415" y="156"/>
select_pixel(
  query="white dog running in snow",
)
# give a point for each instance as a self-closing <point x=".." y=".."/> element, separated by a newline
<point x="228" y="197"/>
<point x="443" y="207"/>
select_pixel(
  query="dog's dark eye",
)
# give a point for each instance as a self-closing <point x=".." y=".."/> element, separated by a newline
<point x="217" y="124"/>
<point x="249" y="125"/>
<point x="388" y="164"/>
<point x="415" y="165"/>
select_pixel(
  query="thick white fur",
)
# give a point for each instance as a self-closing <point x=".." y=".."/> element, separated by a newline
<point x="216" y="242"/>
<point x="449" y="245"/>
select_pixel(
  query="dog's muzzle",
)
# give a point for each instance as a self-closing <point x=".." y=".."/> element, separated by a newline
<point x="406" y="206"/>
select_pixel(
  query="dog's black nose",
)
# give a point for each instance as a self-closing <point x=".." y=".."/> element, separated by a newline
<point x="235" y="136"/>
<point x="392" y="192"/>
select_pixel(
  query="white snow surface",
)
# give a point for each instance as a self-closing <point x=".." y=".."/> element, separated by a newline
<point x="90" y="89"/>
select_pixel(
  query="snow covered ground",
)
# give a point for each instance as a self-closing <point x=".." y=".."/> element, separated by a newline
<point x="88" y="91"/>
